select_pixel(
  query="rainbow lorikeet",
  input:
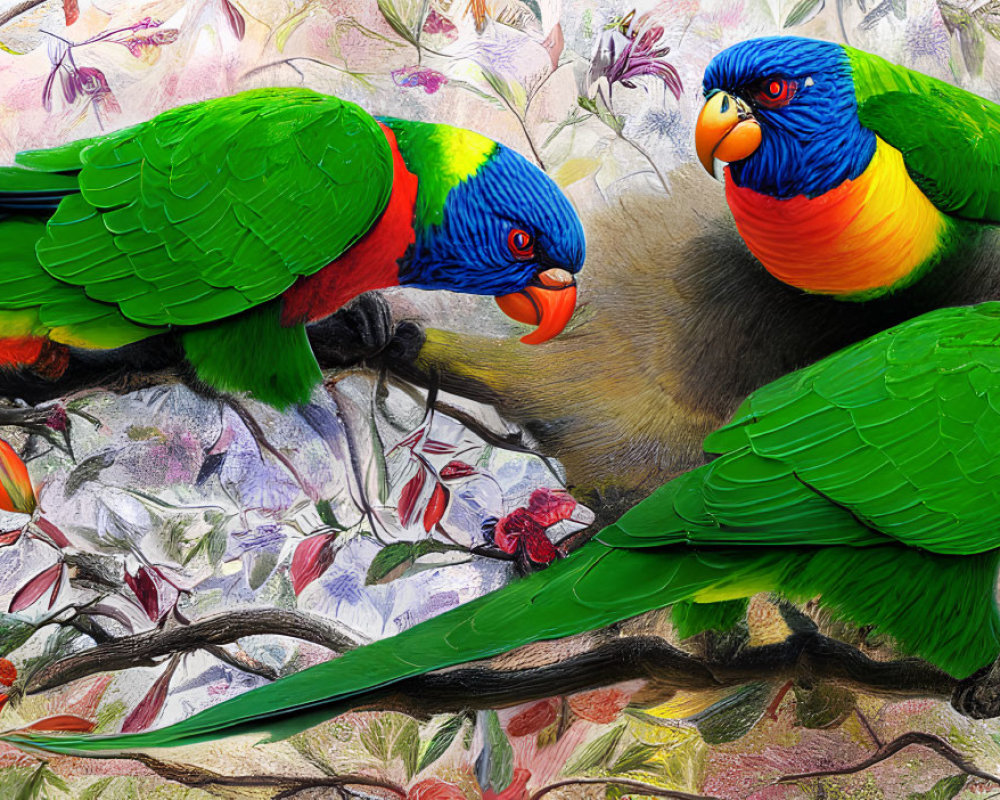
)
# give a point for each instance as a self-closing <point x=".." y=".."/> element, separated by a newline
<point x="234" y="222"/>
<point x="869" y="479"/>
<point x="847" y="175"/>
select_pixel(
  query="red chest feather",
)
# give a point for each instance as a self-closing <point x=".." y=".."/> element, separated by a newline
<point x="372" y="263"/>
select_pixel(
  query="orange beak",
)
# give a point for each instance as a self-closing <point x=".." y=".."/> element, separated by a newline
<point x="726" y="130"/>
<point x="549" y="306"/>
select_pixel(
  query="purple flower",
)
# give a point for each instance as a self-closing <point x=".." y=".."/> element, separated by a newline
<point x="90" y="83"/>
<point x="429" y="80"/>
<point x="625" y="54"/>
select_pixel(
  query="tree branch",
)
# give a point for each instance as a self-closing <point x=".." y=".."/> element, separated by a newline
<point x="284" y="785"/>
<point x="242" y="662"/>
<point x="928" y="740"/>
<point x="803" y="655"/>
<point x="638" y="786"/>
<point x="143" y="649"/>
<point x="19" y="9"/>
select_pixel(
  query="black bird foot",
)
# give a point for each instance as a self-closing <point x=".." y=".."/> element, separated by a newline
<point x="978" y="696"/>
<point x="364" y="332"/>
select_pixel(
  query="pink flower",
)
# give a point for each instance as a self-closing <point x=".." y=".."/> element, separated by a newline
<point x="435" y="789"/>
<point x="437" y="23"/>
<point x="523" y="530"/>
<point x="137" y="45"/>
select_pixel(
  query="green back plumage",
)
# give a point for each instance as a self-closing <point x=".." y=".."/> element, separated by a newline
<point x="33" y="303"/>
<point x="201" y="216"/>
<point x="949" y="138"/>
<point x="211" y="209"/>
<point x="894" y="438"/>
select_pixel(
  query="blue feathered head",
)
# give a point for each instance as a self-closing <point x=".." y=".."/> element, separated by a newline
<point x="801" y="94"/>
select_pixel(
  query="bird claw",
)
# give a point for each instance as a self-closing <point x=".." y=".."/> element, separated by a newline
<point x="978" y="696"/>
<point x="364" y="332"/>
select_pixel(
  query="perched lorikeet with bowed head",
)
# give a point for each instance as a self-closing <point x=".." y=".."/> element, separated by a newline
<point x="234" y="222"/>
<point x="869" y="479"/>
<point x="848" y="175"/>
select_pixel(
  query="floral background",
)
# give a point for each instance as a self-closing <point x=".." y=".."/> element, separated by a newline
<point x="368" y="512"/>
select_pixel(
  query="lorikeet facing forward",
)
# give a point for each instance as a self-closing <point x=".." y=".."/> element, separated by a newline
<point x="869" y="479"/>
<point x="234" y="222"/>
<point x="848" y="175"/>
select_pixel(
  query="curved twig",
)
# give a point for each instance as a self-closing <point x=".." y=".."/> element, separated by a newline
<point x="928" y="740"/>
<point x="286" y="785"/>
<point x="625" y="783"/>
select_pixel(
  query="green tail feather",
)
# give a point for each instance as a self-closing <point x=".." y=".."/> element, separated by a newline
<point x="938" y="607"/>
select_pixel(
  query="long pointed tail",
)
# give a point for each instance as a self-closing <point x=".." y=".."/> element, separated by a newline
<point x="940" y="607"/>
<point x="594" y="587"/>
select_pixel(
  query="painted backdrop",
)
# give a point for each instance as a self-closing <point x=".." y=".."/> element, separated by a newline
<point x="178" y="540"/>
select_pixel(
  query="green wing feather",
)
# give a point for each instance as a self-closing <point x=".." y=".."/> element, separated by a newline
<point x="883" y="445"/>
<point x="949" y="138"/>
<point x="210" y="209"/>
<point x="894" y="438"/>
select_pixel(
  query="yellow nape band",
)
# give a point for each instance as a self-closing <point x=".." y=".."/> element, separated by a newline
<point x="466" y="151"/>
<point x="863" y="238"/>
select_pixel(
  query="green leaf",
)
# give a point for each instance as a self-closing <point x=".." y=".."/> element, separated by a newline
<point x="407" y="746"/>
<point x="213" y="544"/>
<point x="54" y="780"/>
<point x="376" y="736"/>
<point x="395" y="21"/>
<point x="596" y="754"/>
<point x="823" y="706"/>
<point x="261" y="568"/>
<point x="803" y="12"/>
<point x="88" y="470"/>
<point x="534" y="8"/>
<point x="31" y="788"/>
<point x="944" y="789"/>
<point x="96" y="789"/>
<point x="495" y="764"/>
<point x="391" y="735"/>
<point x="394" y="559"/>
<point x="635" y="758"/>
<point x="378" y="456"/>
<point x="441" y="741"/>
<point x="734" y="716"/>
<point x="13" y="633"/>
<point x="575" y="118"/>
<point x="289" y="26"/>
<point x="325" y="511"/>
<point x="511" y="92"/>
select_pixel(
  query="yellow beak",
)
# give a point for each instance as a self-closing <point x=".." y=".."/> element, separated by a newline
<point x="726" y="130"/>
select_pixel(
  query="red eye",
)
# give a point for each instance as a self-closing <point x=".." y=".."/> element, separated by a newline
<point x="521" y="245"/>
<point x="774" y="92"/>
